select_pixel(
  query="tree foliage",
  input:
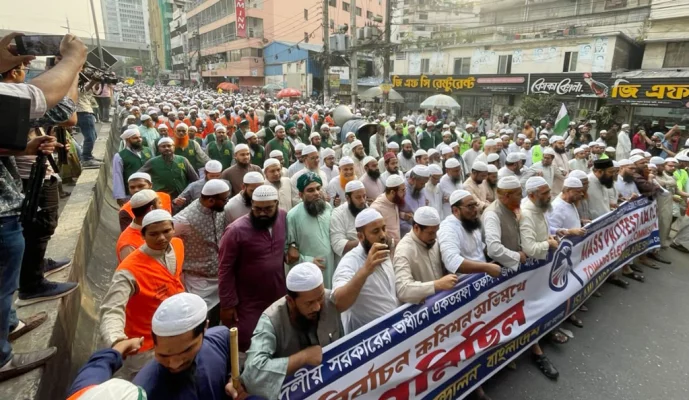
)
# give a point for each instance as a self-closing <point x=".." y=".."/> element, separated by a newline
<point x="538" y="106"/>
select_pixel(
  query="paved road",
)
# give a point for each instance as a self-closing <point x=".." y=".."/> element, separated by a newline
<point x="634" y="346"/>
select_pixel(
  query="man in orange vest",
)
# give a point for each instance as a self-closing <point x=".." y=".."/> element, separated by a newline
<point x="139" y="181"/>
<point x="146" y="277"/>
<point x="172" y="123"/>
<point x="210" y="123"/>
<point x="194" y="120"/>
<point x="253" y="120"/>
<point x="130" y="239"/>
<point x="228" y="120"/>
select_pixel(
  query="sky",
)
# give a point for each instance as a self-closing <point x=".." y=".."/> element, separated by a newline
<point x="47" y="16"/>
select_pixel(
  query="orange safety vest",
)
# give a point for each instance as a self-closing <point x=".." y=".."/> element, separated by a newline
<point x="171" y="128"/>
<point x="253" y="122"/>
<point x="165" y="201"/>
<point x="198" y="124"/>
<point x="155" y="284"/>
<point x="81" y="392"/>
<point x="128" y="237"/>
<point x="238" y="120"/>
<point x="329" y="121"/>
<point x="307" y="120"/>
<point x="210" y="127"/>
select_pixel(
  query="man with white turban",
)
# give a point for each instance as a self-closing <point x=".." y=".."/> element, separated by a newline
<point x="140" y="283"/>
<point x="126" y="162"/>
<point x="560" y="163"/>
<point x="240" y="204"/>
<point x="624" y="143"/>
<point x="235" y="174"/>
<point x="212" y="170"/>
<point x="291" y="333"/>
<point x="364" y="282"/>
<point x="419" y="271"/>
<point x="451" y="181"/>
<point x="273" y="171"/>
<point x="543" y="168"/>
<point x="336" y="185"/>
<point x="343" y="236"/>
<point x="131" y="239"/>
<point x="328" y="165"/>
<point x="433" y="192"/>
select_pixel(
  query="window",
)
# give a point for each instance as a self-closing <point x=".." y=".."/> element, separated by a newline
<point x="358" y="11"/>
<point x="306" y="37"/>
<point x="676" y="55"/>
<point x="405" y="21"/>
<point x="332" y="3"/>
<point x="462" y="66"/>
<point x="332" y="24"/>
<point x="615" y="4"/>
<point x="306" y="14"/>
<point x="420" y="28"/>
<point x="345" y="6"/>
<point x="570" y="64"/>
<point x="425" y="65"/>
<point x="505" y="64"/>
<point x="369" y="15"/>
<point x="588" y="104"/>
<point x="423" y="15"/>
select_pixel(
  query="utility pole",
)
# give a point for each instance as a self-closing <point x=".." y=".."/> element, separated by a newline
<point x="326" y="51"/>
<point x="68" y="30"/>
<point x="95" y="25"/>
<point x="353" y="61"/>
<point x="386" y="54"/>
<point x="198" y="55"/>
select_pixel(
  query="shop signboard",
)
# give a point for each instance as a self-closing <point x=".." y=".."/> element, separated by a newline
<point x="584" y="84"/>
<point x="460" y="84"/>
<point x="657" y="92"/>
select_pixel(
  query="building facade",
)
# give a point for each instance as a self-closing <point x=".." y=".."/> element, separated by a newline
<point x="160" y="16"/>
<point x="179" y="46"/>
<point x="125" y="20"/>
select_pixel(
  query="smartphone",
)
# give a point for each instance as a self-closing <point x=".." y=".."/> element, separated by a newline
<point x="38" y="45"/>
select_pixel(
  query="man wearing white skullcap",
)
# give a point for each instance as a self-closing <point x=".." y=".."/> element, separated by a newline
<point x="415" y="196"/>
<point x="240" y="204"/>
<point x="212" y="170"/>
<point x="311" y="164"/>
<point x="388" y="203"/>
<point x="131" y="239"/>
<point x="357" y="157"/>
<point x="220" y="147"/>
<point x="474" y="184"/>
<point x="421" y="157"/>
<point x="343" y="236"/>
<point x="145" y="278"/>
<point x="472" y="152"/>
<point x="543" y="168"/>
<point x="328" y="165"/>
<point x="364" y="282"/>
<point x="188" y="148"/>
<point x="451" y="181"/>
<point x="273" y="171"/>
<point x="419" y="271"/>
<point x="579" y="161"/>
<point x="432" y="189"/>
<point x="512" y="166"/>
<point x="278" y="155"/>
<point x="624" y="143"/>
<point x="126" y="162"/>
<point x="281" y="144"/>
<point x="336" y="185"/>
<point x="371" y="179"/>
<point x="139" y="181"/>
<point x="170" y="173"/>
<point x="291" y="333"/>
<point x="235" y="174"/>
<point x="564" y="218"/>
<point x="560" y="163"/>
<point x="200" y="226"/>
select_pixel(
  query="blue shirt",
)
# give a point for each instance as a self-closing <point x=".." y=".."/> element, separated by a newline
<point x="99" y="368"/>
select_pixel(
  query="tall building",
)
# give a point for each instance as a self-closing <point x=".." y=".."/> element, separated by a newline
<point x="125" y="20"/>
<point x="159" y="18"/>
<point x="231" y="34"/>
<point x="179" y="45"/>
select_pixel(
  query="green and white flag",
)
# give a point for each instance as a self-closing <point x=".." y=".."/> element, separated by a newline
<point x="561" y="122"/>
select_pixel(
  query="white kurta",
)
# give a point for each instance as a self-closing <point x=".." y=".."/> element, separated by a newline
<point x="626" y="189"/>
<point x="406" y="164"/>
<point x="434" y="197"/>
<point x="378" y="296"/>
<point x="579" y="163"/>
<point x="236" y="208"/>
<point x="469" y="157"/>
<point x="335" y="189"/>
<point x="330" y="173"/>
<point x="599" y="198"/>
<point x="342" y="229"/>
<point x="624" y="146"/>
<point x="456" y="244"/>
<point x="446" y="188"/>
<point x="284" y="193"/>
<point x="534" y="231"/>
<point x="563" y="216"/>
<point x="494" y="247"/>
<point x="385" y="175"/>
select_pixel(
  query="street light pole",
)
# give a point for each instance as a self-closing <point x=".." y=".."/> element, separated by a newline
<point x="95" y="25"/>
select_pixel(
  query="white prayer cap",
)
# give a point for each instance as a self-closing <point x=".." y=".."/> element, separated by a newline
<point x="452" y="163"/>
<point x="327" y="153"/>
<point x="671" y="159"/>
<point x="367" y="216"/>
<point x="325" y="126"/>
<point x="273" y="123"/>
<point x="350" y="134"/>
<point x="597" y="144"/>
<point x="509" y="183"/>
<point x="584" y="146"/>
<point x="549" y="150"/>
<point x="142" y="198"/>
<point x="603" y="131"/>
<point x="492" y="157"/>
<point x="220" y="127"/>
<point x="579" y="174"/>
<point x="421" y="170"/>
<point x="165" y="140"/>
<point x="490" y="135"/>
<point x="299" y="147"/>
<point x="480" y="166"/>
<point x="182" y="125"/>
<point x="468" y="126"/>
<point x="252" y="178"/>
<point x="114" y="389"/>
<point x="683" y="157"/>
<point x="447" y="150"/>
<point x="353" y="185"/>
<point x="420" y="152"/>
<point x="453" y="145"/>
<point x="615" y="164"/>
<point x="527" y="141"/>
<point x="652" y="166"/>
<point x="543" y="121"/>
<point x="434" y="169"/>
<point x="213" y="166"/>
<point x="453" y="123"/>
<point x="162" y="126"/>
<point x="512" y="158"/>
<point x="509" y="131"/>
<point x="503" y="130"/>
<point x="490" y="142"/>
<point x="636" y="151"/>
<point x="393" y="145"/>
<point x="543" y="137"/>
<point x="130" y="116"/>
<point x="578" y="150"/>
<point x="445" y="126"/>
<point x="265" y="193"/>
<point x="129" y="133"/>
<point x="271" y="161"/>
<point x="179" y="314"/>
<point x="625" y="162"/>
<point x="458" y="195"/>
<point x="367" y="160"/>
<point x="556" y="138"/>
<point x="625" y="126"/>
<point x="657" y="161"/>
<point x="447" y="133"/>
<point x="427" y="216"/>
<point x="356" y="143"/>
<point x="536" y="182"/>
<point x="647" y="154"/>
<point x="430" y="123"/>
<point x="394" y="181"/>
<point x="249" y="135"/>
<point x="503" y="137"/>
<point x="406" y="141"/>
<point x="314" y="134"/>
<point x="240" y="147"/>
<point x="145" y="117"/>
<point x="156" y="216"/>
<point x="431" y="152"/>
<point x="492" y="169"/>
<point x="139" y="175"/>
<point x="215" y="186"/>
<point x="276" y="153"/>
<point x="521" y="136"/>
<point x="304" y="277"/>
<point x="346" y="161"/>
<point x="573" y="183"/>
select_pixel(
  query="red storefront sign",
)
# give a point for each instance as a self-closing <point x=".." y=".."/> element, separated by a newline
<point x="240" y="11"/>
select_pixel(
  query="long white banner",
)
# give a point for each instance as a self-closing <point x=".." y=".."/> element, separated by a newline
<point x="454" y="341"/>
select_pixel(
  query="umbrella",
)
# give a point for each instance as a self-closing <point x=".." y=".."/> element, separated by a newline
<point x="440" y="101"/>
<point x="172" y="83"/>
<point x="228" y="87"/>
<point x="377" y="92"/>
<point x="289" y="92"/>
<point x="272" y="86"/>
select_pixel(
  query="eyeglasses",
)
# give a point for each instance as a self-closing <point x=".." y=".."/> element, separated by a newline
<point x="470" y="206"/>
<point x="263" y="210"/>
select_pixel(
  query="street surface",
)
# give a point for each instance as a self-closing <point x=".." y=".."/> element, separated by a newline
<point x="634" y="345"/>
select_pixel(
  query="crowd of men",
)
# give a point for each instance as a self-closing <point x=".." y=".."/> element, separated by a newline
<point x="241" y="211"/>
